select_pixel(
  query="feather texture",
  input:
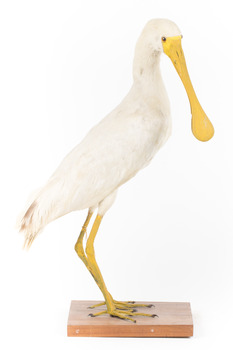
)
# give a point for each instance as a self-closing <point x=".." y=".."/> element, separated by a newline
<point x="114" y="150"/>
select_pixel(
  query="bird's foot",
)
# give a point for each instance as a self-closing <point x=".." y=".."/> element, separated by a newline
<point x="123" y="314"/>
<point x="129" y="304"/>
<point x="123" y="305"/>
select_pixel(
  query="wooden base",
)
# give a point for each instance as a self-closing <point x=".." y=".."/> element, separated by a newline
<point x="175" y="320"/>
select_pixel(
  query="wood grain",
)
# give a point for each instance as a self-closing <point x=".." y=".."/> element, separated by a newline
<point x="175" y="320"/>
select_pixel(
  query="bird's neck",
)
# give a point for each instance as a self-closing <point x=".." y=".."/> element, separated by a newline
<point x="148" y="80"/>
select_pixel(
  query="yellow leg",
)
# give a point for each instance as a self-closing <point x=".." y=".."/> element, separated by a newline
<point x="79" y="244"/>
<point x="80" y="251"/>
<point x="90" y="253"/>
<point x="114" y="308"/>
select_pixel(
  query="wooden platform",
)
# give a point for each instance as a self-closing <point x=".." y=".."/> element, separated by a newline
<point x="175" y="320"/>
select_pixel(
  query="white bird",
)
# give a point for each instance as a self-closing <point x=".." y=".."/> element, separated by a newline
<point x="114" y="150"/>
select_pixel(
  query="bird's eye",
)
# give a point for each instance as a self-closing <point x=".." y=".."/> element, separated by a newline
<point x="163" y="38"/>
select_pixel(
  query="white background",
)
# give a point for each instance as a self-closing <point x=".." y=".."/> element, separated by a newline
<point x="64" y="65"/>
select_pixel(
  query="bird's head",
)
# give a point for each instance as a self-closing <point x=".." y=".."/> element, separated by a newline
<point x="162" y="35"/>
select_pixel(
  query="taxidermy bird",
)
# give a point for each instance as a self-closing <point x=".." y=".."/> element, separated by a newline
<point x="114" y="150"/>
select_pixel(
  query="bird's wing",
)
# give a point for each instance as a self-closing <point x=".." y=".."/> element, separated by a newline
<point x="111" y="153"/>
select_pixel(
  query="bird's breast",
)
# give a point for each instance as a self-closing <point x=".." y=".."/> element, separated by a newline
<point x="149" y="132"/>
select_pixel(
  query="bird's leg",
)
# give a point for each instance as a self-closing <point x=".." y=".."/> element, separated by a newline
<point x="127" y="305"/>
<point x="92" y="264"/>
<point x="79" y="244"/>
<point x="116" y="309"/>
<point x="80" y="251"/>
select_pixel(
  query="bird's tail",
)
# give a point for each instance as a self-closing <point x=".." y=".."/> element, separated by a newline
<point x="39" y="212"/>
<point x="30" y="224"/>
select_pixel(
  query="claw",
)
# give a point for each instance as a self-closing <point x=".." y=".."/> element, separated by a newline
<point x="123" y="310"/>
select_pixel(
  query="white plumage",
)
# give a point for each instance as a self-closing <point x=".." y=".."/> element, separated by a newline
<point x="114" y="150"/>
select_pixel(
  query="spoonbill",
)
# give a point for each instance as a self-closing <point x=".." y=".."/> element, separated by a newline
<point x="114" y="150"/>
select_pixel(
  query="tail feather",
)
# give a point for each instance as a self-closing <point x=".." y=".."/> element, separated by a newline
<point x="45" y="206"/>
<point x="38" y="213"/>
<point x="30" y="224"/>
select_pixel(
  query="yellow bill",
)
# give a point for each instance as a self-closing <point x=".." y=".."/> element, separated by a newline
<point x="202" y="128"/>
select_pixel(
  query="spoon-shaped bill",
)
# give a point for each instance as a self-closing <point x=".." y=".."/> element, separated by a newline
<point x="202" y="128"/>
